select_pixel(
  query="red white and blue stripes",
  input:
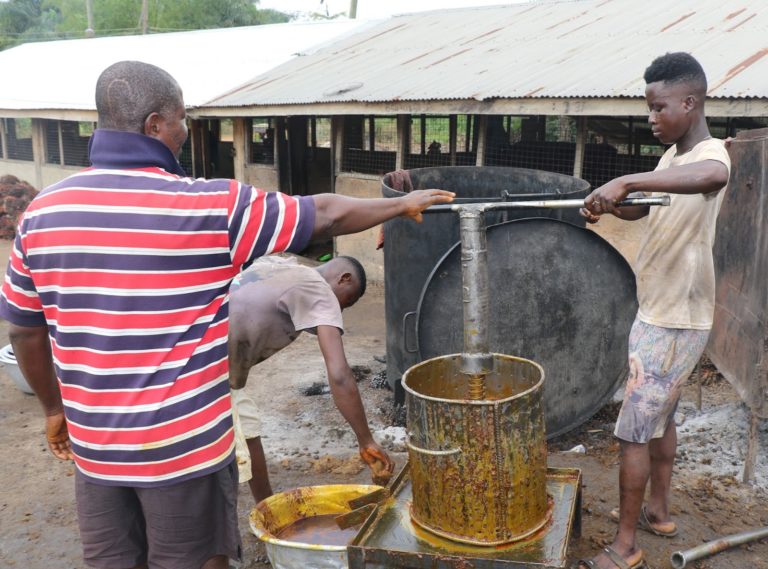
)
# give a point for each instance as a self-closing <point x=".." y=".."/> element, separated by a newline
<point x="130" y="270"/>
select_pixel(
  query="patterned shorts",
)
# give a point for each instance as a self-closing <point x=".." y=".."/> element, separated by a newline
<point x="660" y="361"/>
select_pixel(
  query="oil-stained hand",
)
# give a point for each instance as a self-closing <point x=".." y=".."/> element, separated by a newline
<point x="382" y="467"/>
<point x="419" y="200"/>
<point x="589" y="216"/>
<point x="58" y="436"/>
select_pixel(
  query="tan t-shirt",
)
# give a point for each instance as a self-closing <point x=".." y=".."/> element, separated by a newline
<point x="271" y="303"/>
<point x="675" y="269"/>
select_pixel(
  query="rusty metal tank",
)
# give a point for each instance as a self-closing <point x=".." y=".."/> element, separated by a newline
<point x="478" y="467"/>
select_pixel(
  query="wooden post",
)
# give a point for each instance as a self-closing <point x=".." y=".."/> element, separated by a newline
<point x="423" y="122"/>
<point x="240" y="143"/>
<point x="198" y="152"/>
<point x="89" y="33"/>
<point x="698" y="375"/>
<point x="144" y="17"/>
<point x="581" y="139"/>
<point x="751" y="459"/>
<point x="482" y="131"/>
<point x="452" y="134"/>
<point x="61" y="143"/>
<point x="39" y="150"/>
<point x="402" y="141"/>
<point x="337" y="147"/>
<point x="3" y="140"/>
<point x="371" y="133"/>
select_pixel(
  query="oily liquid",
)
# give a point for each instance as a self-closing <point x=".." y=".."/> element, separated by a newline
<point x="318" y="530"/>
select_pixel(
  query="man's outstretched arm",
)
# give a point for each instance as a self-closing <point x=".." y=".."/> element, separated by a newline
<point x="340" y="215"/>
<point x="32" y="349"/>
<point x="347" y="399"/>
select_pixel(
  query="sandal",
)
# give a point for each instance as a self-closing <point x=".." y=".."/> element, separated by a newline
<point x="644" y="523"/>
<point x="616" y="559"/>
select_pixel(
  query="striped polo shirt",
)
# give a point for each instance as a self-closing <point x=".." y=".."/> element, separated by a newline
<point x="129" y="264"/>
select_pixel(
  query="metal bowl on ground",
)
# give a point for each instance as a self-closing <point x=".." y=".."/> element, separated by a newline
<point x="8" y="360"/>
<point x="272" y="516"/>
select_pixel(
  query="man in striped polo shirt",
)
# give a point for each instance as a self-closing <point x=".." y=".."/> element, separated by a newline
<point x="117" y="294"/>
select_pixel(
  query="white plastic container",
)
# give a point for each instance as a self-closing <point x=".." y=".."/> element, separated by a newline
<point x="8" y="360"/>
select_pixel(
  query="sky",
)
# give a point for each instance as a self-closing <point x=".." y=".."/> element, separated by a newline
<point x="373" y="8"/>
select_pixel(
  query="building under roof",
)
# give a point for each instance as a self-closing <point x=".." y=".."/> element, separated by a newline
<point x="553" y="85"/>
<point x="574" y="57"/>
<point x="57" y="79"/>
<point x="47" y="104"/>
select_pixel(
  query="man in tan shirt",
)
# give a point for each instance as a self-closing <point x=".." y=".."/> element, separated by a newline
<point x="272" y="303"/>
<point x="676" y="293"/>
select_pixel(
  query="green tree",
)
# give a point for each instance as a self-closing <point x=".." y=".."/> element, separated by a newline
<point x="202" y="14"/>
<point x="34" y="20"/>
<point x="26" y="20"/>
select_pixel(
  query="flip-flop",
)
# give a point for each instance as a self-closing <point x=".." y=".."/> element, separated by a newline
<point x="616" y="559"/>
<point x="645" y="524"/>
<point x="620" y="562"/>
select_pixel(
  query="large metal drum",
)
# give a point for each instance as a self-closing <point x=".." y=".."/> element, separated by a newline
<point x="412" y="250"/>
<point x="478" y="467"/>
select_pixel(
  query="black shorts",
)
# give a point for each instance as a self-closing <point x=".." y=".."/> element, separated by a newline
<point x="179" y="526"/>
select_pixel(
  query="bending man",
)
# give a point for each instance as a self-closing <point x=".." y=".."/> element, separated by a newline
<point x="272" y="303"/>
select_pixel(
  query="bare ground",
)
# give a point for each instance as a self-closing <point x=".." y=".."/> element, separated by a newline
<point x="307" y="442"/>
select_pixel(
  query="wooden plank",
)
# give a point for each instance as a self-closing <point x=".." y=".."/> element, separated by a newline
<point x="619" y="106"/>
<point x="736" y="343"/>
<point x="751" y="457"/>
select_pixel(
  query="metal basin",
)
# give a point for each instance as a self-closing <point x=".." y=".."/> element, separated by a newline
<point x="281" y="510"/>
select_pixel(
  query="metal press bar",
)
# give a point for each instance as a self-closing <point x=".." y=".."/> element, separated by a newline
<point x="476" y="359"/>
<point x="543" y="204"/>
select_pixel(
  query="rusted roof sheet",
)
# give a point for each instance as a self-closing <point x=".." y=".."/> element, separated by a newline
<point x="206" y="63"/>
<point x="542" y="49"/>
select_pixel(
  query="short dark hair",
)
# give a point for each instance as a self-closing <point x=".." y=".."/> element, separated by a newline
<point x="677" y="67"/>
<point x="127" y="92"/>
<point x="359" y="270"/>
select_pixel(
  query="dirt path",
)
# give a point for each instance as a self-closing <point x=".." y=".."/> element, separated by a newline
<point x="307" y="442"/>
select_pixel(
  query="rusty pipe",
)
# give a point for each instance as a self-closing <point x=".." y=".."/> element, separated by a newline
<point x="681" y="559"/>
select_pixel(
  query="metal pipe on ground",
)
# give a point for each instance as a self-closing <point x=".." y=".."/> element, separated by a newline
<point x="681" y="559"/>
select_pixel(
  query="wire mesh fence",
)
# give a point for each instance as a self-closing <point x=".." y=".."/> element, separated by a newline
<point x="370" y="144"/>
<point x="53" y="142"/>
<point x="441" y="141"/>
<point x="538" y="142"/>
<point x="262" y="140"/>
<point x="319" y="132"/>
<point x="67" y="142"/>
<point x="18" y="138"/>
<point x="185" y="157"/>
<point x="619" y="146"/>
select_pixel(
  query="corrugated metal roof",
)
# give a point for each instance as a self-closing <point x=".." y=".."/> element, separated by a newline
<point x="545" y="49"/>
<point x="206" y="63"/>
